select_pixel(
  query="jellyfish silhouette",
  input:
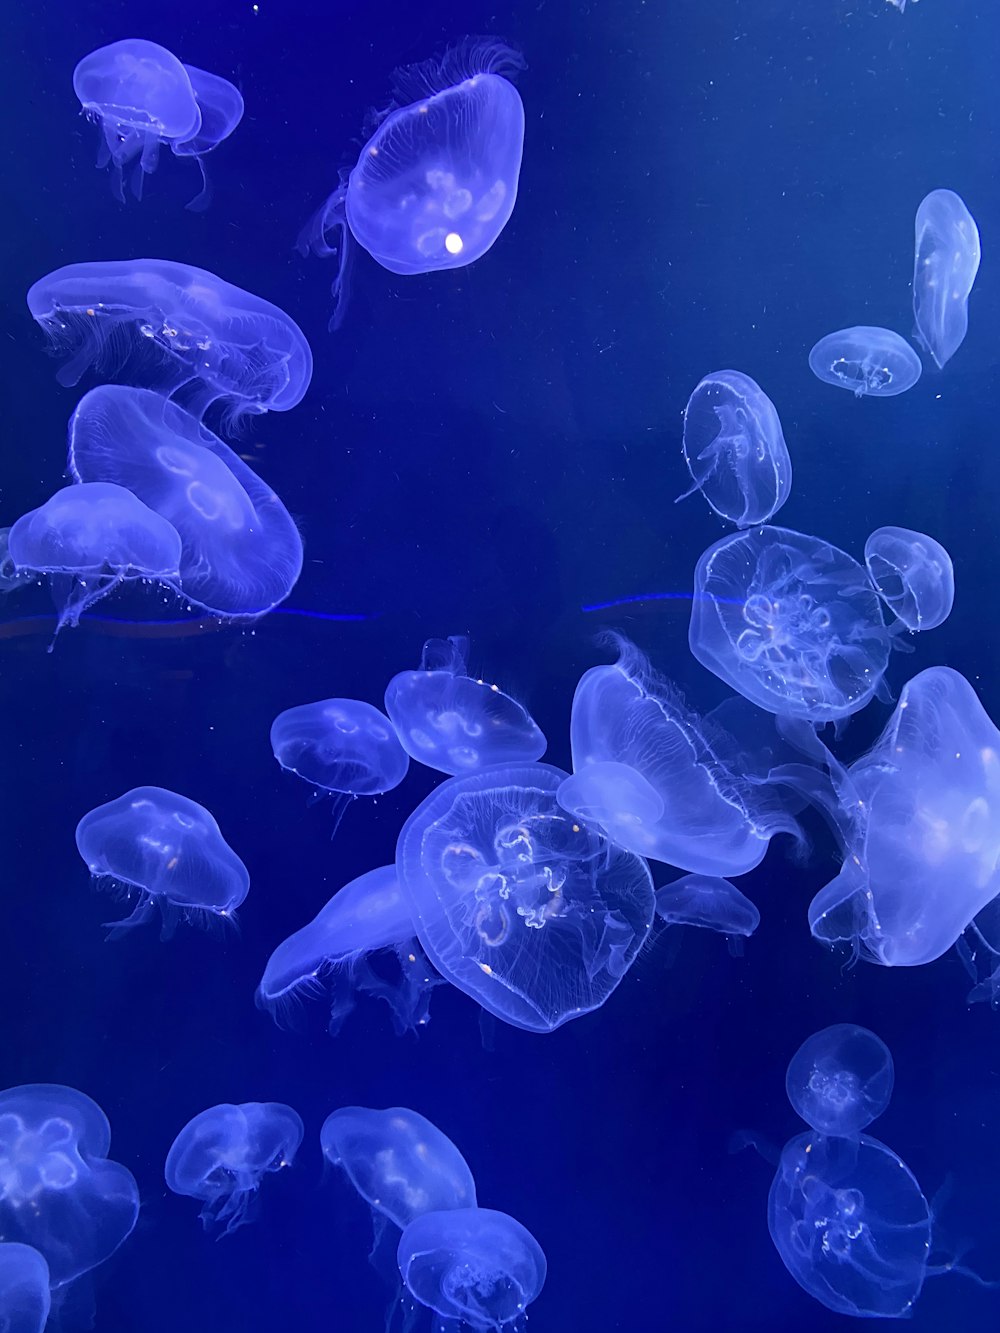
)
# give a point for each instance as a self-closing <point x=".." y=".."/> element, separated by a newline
<point x="25" y="1299"/>
<point x="913" y="575"/>
<point x="840" y="1079"/>
<point x="711" y="904"/>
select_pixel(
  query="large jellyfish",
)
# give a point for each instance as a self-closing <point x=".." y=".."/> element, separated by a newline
<point x="435" y="184"/>
<point x="945" y="263"/>
<point x="840" y="1079"/>
<point x="455" y="722"/>
<point x="347" y="947"/>
<point x="654" y="776"/>
<point x="168" y="851"/>
<point x="532" y="913"/>
<point x="222" y="1155"/>
<point x="59" y="1193"/>
<point x="25" y="1299"/>
<point x="868" y="361"/>
<point x="913" y="575"/>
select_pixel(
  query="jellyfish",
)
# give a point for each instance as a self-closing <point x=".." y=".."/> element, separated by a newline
<point x="711" y="903"/>
<point x="840" y="1079"/>
<point x="474" y="1266"/>
<point x="59" y="1193"/>
<point x="454" y="722"/>
<point x="435" y="184"/>
<point x="166" y="850"/>
<point x="534" y="914"/>
<point x="347" y="947"/>
<point x="979" y="951"/>
<point x="868" y="361"/>
<point x="945" y="264"/>
<point x="654" y="776"/>
<point x="25" y="1299"/>
<point x="89" y="540"/>
<point x="182" y="329"/>
<point x="735" y="450"/>
<point x="241" y="552"/>
<point x="791" y="622"/>
<point x="221" y="106"/>
<point x="222" y="1155"/>
<point x="913" y="575"/>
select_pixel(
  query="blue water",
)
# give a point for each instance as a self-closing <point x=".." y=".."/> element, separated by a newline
<point x="495" y="451"/>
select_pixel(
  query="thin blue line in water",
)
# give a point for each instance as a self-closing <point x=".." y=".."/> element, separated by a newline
<point x="656" y="597"/>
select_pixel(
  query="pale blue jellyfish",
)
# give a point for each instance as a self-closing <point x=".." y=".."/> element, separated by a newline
<point x="221" y="106"/>
<point x="710" y="903"/>
<point x="534" y="914"/>
<point x="168" y="852"/>
<point x="348" y="948"/>
<point x="735" y="449"/>
<point x="913" y="575"/>
<point x="455" y="722"/>
<point x="840" y="1079"/>
<point x="654" y="775"/>
<point x="241" y="552"/>
<point x="59" y="1193"/>
<point x="945" y="264"/>
<point x="435" y="184"/>
<point x="180" y="329"/>
<point x="979" y="950"/>
<point x="25" y="1299"/>
<point x="222" y="1155"/>
<point x="868" y="361"/>
<point x="475" y="1267"/>
<point x="789" y="621"/>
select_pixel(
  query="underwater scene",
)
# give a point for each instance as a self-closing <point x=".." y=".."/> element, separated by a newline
<point x="498" y="544"/>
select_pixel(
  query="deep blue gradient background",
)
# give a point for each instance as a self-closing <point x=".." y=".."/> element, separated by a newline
<point x="484" y="452"/>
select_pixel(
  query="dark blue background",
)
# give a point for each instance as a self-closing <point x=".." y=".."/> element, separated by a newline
<point x="704" y="185"/>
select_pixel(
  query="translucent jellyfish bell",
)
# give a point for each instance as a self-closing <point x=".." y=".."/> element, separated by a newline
<point x="451" y="721"/>
<point x="25" y="1299"/>
<point x="840" y="1079"/>
<point x="222" y="1155"/>
<point x="868" y="361"/>
<point x="221" y="106"/>
<point x="913" y="575"/>
<point x="945" y="263"/>
<point x="710" y="903"/>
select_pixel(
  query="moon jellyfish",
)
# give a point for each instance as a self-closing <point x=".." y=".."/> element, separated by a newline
<point x="653" y="776"/>
<point x="475" y="1266"/>
<point x="851" y="1224"/>
<point x="913" y="575"/>
<point x="344" y="947"/>
<point x="789" y="621"/>
<point x="979" y="950"/>
<point x="167" y="851"/>
<point x="735" y="450"/>
<point x="532" y="913"/>
<point x="25" y="1299"/>
<point x="713" y="904"/>
<point x="221" y="106"/>
<point x="223" y="1154"/>
<point x="840" y="1079"/>
<point x="182" y="329"/>
<point x="945" y="264"/>
<point x="59" y="1193"/>
<point x="241" y="552"/>
<point x="400" y="1164"/>
<point x="454" y="722"/>
<point x="435" y="185"/>
<point x="868" y="361"/>
<point x="89" y="540"/>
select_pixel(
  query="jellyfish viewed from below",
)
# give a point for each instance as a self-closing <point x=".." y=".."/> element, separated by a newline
<point x="710" y="903"/>
<point x="789" y="621"/>
<point x="735" y="449"/>
<point x="913" y="575"/>
<point x="241" y="552"/>
<point x="532" y="913"/>
<point x="840" y="1079"/>
<point x="653" y="775"/>
<point x="181" y="329"/>
<point x="166" y="850"/>
<point x="59" y="1193"/>
<point x="362" y="942"/>
<point x="25" y="1299"/>
<point x="454" y="722"/>
<point x="220" y="104"/>
<point x="868" y="361"/>
<point x="945" y="264"/>
<point x="222" y="1156"/>
<point x="435" y="184"/>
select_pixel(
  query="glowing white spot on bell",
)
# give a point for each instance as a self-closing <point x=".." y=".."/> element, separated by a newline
<point x="453" y="243"/>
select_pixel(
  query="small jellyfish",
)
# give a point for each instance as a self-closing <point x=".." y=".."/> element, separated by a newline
<point x="344" y="948"/>
<point x="59" y="1193"/>
<point x="913" y="575"/>
<point x="474" y="1266"/>
<point x="453" y="722"/>
<point x="167" y="850"/>
<point x="840" y="1079"/>
<point x="89" y="539"/>
<point x="25" y="1299"/>
<point x="222" y="1155"/>
<point x="221" y="107"/>
<point x="735" y="450"/>
<point x="945" y="264"/>
<point x="435" y="184"/>
<point x="868" y="361"/>
<point x="713" y="904"/>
